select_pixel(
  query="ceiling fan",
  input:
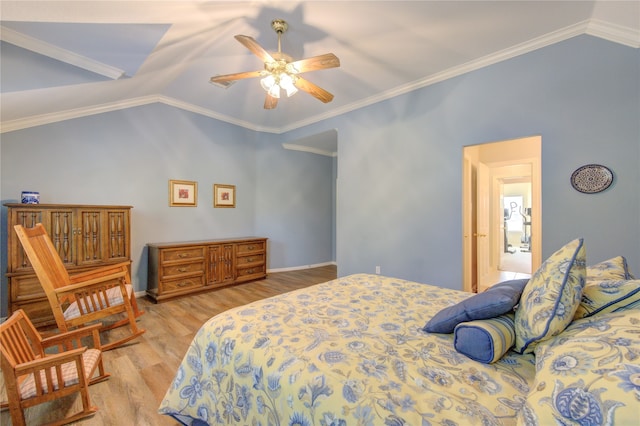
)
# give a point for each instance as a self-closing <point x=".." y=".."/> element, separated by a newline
<point x="280" y="71"/>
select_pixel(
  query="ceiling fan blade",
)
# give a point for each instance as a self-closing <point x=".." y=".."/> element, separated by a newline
<point x="251" y="44"/>
<point x="270" y="102"/>
<point x="315" y="91"/>
<point x="321" y="62"/>
<point x="236" y="76"/>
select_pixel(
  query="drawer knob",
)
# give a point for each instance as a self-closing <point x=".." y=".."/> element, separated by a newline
<point x="183" y="284"/>
<point x="182" y="270"/>
<point x="183" y="255"/>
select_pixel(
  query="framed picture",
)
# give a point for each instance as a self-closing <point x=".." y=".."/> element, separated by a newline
<point x="224" y="195"/>
<point x="183" y="193"/>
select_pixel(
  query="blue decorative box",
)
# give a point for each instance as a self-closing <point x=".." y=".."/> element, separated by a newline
<point x="30" y="197"/>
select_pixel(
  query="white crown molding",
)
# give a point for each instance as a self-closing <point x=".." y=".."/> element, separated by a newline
<point x="212" y="114"/>
<point x="54" y="117"/>
<point x="503" y="55"/>
<point x="294" y="147"/>
<point x="614" y="33"/>
<point x="43" y="48"/>
<point x="596" y="28"/>
<point x="476" y="64"/>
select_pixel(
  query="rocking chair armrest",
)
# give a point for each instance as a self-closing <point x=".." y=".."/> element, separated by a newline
<point x="49" y="361"/>
<point x="68" y="337"/>
<point x="95" y="282"/>
<point x="99" y="271"/>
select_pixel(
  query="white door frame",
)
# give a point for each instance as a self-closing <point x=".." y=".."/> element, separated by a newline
<point x="522" y="151"/>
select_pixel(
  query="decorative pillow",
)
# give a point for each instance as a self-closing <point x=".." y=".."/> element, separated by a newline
<point x="485" y="340"/>
<point x="588" y="375"/>
<point x="607" y="296"/>
<point x="613" y="269"/>
<point x="551" y="297"/>
<point x="497" y="300"/>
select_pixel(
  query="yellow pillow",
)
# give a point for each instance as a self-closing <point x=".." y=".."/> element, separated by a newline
<point x="551" y="297"/>
<point x="607" y="296"/>
<point x="588" y="375"/>
<point x="613" y="269"/>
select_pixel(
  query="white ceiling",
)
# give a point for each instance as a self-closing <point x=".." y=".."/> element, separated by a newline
<point x="65" y="59"/>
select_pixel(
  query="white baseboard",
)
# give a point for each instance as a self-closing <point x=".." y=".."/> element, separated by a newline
<point x="298" y="268"/>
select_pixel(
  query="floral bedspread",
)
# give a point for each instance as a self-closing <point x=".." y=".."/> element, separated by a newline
<point x="589" y="374"/>
<point x="346" y="352"/>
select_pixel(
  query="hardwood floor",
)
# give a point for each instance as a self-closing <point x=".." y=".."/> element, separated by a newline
<point x="142" y="371"/>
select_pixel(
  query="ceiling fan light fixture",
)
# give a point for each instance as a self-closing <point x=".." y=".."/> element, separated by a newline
<point x="291" y="90"/>
<point x="274" y="91"/>
<point x="286" y="82"/>
<point x="268" y="82"/>
<point x="272" y="84"/>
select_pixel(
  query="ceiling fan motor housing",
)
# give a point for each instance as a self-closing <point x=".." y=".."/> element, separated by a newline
<point x="279" y="25"/>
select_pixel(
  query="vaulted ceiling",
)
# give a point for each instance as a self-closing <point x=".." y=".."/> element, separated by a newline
<point x="66" y="59"/>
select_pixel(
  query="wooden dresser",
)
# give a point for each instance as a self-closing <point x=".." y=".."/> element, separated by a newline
<point x="182" y="268"/>
<point x="86" y="236"/>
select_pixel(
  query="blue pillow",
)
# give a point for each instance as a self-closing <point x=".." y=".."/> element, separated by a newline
<point x="499" y="299"/>
<point x="486" y="340"/>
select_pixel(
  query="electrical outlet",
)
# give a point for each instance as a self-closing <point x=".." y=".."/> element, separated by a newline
<point x="378" y="270"/>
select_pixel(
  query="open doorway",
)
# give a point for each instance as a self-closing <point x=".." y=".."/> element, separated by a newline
<point x="515" y="253"/>
<point x="496" y="232"/>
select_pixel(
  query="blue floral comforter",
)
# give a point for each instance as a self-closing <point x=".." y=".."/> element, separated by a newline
<point x="346" y="352"/>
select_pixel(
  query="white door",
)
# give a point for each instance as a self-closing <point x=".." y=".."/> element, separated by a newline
<point x="483" y="186"/>
<point x="468" y="242"/>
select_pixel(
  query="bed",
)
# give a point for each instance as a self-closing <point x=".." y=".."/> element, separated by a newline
<point x="354" y="351"/>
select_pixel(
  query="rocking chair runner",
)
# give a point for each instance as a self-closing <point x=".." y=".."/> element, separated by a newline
<point x="33" y="377"/>
<point x="85" y="297"/>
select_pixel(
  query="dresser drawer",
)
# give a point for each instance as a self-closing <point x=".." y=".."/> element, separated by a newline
<point x="181" y="284"/>
<point x="250" y="273"/>
<point x="250" y="259"/>
<point x="180" y="254"/>
<point x="182" y="268"/>
<point x="251" y="247"/>
<point x="38" y="311"/>
<point x="26" y="287"/>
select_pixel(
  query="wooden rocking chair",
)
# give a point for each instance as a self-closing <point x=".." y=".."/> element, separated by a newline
<point x="33" y="377"/>
<point x="83" y="298"/>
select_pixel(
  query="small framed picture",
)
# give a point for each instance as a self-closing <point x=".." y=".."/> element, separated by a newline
<point x="224" y="195"/>
<point x="183" y="193"/>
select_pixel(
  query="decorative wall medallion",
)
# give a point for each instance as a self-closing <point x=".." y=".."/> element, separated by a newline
<point x="591" y="178"/>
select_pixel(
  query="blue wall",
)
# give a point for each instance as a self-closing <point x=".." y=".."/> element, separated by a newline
<point x="400" y="167"/>
<point x="398" y="170"/>
<point x="127" y="158"/>
<point x="295" y="201"/>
